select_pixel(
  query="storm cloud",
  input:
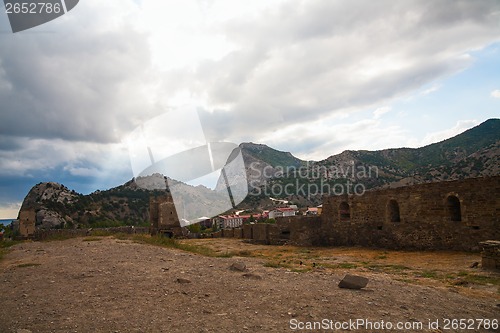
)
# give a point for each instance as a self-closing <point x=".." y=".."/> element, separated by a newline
<point x="73" y="89"/>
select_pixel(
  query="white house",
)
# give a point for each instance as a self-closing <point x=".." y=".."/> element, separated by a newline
<point x="229" y="221"/>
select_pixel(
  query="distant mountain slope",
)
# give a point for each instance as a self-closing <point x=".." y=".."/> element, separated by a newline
<point x="447" y="152"/>
<point x="269" y="155"/>
<point x="473" y="153"/>
<point x="263" y="162"/>
<point x="58" y="207"/>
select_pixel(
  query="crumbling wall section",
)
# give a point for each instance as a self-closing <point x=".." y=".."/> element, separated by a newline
<point x="490" y="255"/>
<point x="26" y="223"/>
<point x="454" y="215"/>
<point x="297" y="230"/>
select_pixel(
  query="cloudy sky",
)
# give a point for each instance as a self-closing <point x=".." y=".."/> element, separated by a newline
<point x="310" y="77"/>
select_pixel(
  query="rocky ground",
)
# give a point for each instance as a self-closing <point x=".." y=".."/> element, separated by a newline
<point x="103" y="284"/>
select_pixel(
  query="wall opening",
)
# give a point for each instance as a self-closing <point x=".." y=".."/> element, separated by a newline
<point x="392" y="211"/>
<point x="453" y="207"/>
<point x="344" y="211"/>
<point x="285" y="234"/>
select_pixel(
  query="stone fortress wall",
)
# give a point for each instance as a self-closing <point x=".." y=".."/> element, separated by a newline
<point x="451" y="215"/>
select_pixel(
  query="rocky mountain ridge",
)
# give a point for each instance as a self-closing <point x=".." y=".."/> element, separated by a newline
<point x="56" y="206"/>
<point x="474" y="153"/>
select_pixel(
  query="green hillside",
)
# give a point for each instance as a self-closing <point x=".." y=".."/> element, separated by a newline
<point x="271" y="156"/>
<point x="444" y="153"/>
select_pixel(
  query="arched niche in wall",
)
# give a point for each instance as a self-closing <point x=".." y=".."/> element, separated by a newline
<point x="392" y="211"/>
<point x="453" y="208"/>
<point x="344" y="211"/>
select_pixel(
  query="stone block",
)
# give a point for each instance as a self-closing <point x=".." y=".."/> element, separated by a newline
<point x="353" y="282"/>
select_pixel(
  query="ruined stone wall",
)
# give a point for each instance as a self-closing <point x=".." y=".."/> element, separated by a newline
<point x="167" y="216"/>
<point x="454" y="215"/>
<point x="238" y="233"/>
<point x="490" y="254"/>
<point x="260" y="233"/>
<point x="228" y="233"/>
<point x="27" y="220"/>
<point x="163" y="215"/>
<point x="296" y="230"/>
<point x="247" y="231"/>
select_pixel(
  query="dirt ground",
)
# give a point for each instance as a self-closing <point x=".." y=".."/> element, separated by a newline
<point x="104" y="284"/>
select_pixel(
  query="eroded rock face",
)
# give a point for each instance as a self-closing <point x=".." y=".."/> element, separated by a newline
<point x="54" y="192"/>
<point x="46" y="219"/>
<point x="52" y="205"/>
<point x="50" y="191"/>
<point x="41" y="198"/>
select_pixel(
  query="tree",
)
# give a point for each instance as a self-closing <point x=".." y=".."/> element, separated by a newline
<point x="194" y="228"/>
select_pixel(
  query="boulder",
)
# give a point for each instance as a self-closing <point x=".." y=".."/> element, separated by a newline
<point x="353" y="282"/>
<point x="238" y="266"/>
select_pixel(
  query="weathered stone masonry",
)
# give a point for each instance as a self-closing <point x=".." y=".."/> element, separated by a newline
<point x="163" y="216"/>
<point x="452" y="215"/>
<point x="490" y="254"/>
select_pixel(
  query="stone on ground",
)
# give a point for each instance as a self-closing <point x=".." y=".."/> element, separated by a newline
<point x="238" y="266"/>
<point x="353" y="282"/>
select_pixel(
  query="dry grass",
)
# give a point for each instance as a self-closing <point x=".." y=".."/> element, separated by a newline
<point x="446" y="269"/>
<point x="5" y="245"/>
<point x="28" y="264"/>
<point x="438" y="268"/>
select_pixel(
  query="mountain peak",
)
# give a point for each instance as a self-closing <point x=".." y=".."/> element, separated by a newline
<point x="268" y="155"/>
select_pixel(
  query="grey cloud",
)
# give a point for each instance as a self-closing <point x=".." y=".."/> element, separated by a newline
<point x="74" y="85"/>
<point x="291" y="65"/>
<point x="305" y="59"/>
<point x="8" y="143"/>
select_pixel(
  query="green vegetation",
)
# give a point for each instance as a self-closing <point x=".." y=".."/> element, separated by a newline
<point x="194" y="228"/>
<point x="277" y="264"/>
<point x="428" y="274"/>
<point x="121" y="206"/>
<point x="101" y="233"/>
<point x="5" y="245"/>
<point x="386" y="268"/>
<point x="244" y="253"/>
<point x="392" y="164"/>
<point x="59" y="237"/>
<point x="28" y="264"/>
<point x="91" y="239"/>
<point x="272" y="156"/>
<point x="177" y="244"/>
